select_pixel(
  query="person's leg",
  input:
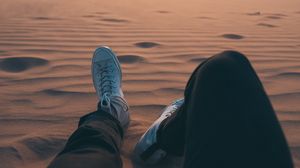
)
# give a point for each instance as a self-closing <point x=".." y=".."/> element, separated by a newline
<point x="172" y="131"/>
<point x="226" y="120"/>
<point x="230" y="121"/>
<point x="94" y="144"/>
<point x="97" y="141"/>
<point x="147" y="150"/>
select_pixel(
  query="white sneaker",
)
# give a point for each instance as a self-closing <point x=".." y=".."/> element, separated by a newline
<point x="146" y="150"/>
<point x="107" y="79"/>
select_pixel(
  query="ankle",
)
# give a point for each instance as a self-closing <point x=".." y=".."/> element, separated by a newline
<point x="117" y="107"/>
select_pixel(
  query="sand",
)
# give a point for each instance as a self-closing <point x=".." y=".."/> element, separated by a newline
<point x="159" y="43"/>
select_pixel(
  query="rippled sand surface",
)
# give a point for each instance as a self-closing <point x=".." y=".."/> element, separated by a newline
<point x="46" y="49"/>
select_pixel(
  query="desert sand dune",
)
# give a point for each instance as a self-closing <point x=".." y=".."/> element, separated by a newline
<point x="46" y="50"/>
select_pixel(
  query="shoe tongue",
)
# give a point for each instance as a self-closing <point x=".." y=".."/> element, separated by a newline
<point x="105" y="103"/>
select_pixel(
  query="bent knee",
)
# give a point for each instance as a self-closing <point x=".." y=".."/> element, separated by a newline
<point x="231" y="54"/>
<point x="231" y="59"/>
<point x="227" y="61"/>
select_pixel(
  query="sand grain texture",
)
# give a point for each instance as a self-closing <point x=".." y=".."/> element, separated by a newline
<point x="46" y="50"/>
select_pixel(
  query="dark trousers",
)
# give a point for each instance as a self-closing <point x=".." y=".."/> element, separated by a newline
<point x="227" y="121"/>
<point x="95" y="144"/>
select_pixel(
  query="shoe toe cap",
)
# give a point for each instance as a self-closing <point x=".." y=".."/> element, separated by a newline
<point x="102" y="53"/>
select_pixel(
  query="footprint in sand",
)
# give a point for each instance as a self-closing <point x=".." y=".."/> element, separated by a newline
<point x="89" y="16"/>
<point x="163" y="12"/>
<point x="233" y="36"/>
<point x="19" y="64"/>
<point x="279" y="14"/>
<point x="274" y="17"/>
<point x="131" y="59"/>
<point x="205" y="18"/>
<point x="146" y="44"/>
<point x="44" y="18"/>
<point x="254" y="14"/>
<point x="94" y="14"/>
<point x="101" y="13"/>
<point x="113" y="20"/>
<point x="266" y="25"/>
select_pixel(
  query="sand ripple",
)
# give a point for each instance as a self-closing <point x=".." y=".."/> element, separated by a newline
<point x="45" y="60"/>
<point x="43" y="147"/>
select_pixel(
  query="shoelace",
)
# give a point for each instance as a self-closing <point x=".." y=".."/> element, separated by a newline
<point x="106" y="99"/>
<point x="106" y="84"/>
<point x="173" y="109"/>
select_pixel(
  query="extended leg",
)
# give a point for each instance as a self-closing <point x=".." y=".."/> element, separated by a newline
<point x="94" y="144"/>
<point x="97" y="141"/>
<point x="230" y="121"/>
